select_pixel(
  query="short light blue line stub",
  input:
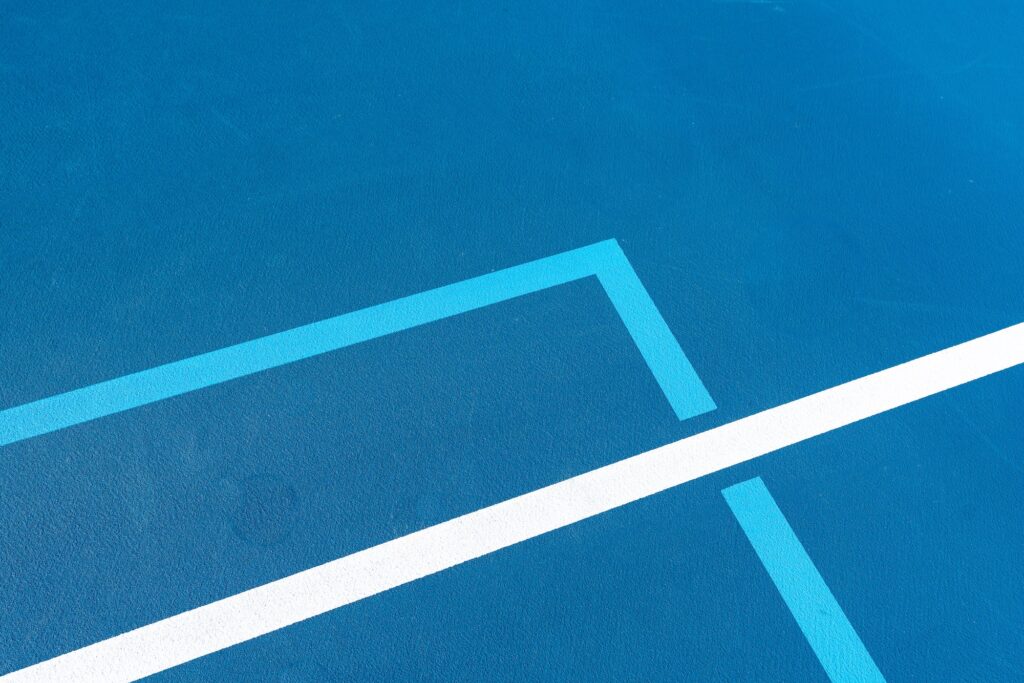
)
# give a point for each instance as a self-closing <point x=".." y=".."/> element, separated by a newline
<point x="823" y="622"/>
<point x="671" y="368"/>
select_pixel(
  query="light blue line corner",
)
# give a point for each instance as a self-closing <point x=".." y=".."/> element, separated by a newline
<point x="670" y="366"/>
<point x="823" y="622"/>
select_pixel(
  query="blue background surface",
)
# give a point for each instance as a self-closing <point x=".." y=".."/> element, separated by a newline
<point x="809" y="193"/>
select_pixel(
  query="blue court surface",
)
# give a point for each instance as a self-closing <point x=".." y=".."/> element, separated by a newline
<point x="284" y="282"/>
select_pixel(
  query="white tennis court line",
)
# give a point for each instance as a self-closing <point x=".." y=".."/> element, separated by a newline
<point x="201" y="631"/>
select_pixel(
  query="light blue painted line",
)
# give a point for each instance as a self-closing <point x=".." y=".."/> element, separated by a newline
<point x="673" y="371"/>
<point x="832" y="637"/>
<point x="651" y="334"/>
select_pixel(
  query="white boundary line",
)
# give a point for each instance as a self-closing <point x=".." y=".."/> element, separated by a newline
<point x="261" y="610"/>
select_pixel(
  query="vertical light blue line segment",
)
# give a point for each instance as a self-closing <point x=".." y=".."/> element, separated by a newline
<point x="822" y="620"/>
<point x="682" y="386"/>
<point x="671" y="368"/>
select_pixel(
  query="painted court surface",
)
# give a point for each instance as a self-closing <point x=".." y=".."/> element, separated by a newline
<point x="657" y="222"/>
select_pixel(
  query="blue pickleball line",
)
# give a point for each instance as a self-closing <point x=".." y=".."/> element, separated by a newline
<point x="670" y="366"/>
<point x="651" y="334"/>
<point x="822" y="620"/>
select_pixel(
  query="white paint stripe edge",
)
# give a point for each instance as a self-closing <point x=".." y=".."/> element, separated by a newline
<point x="218" y="625"/>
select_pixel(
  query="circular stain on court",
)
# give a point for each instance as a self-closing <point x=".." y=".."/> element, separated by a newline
<point x="267" y="510"/>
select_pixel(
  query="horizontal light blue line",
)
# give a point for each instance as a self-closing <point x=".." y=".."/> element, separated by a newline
<point x="832" y="637"/>
<point x="670" y="366"/>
